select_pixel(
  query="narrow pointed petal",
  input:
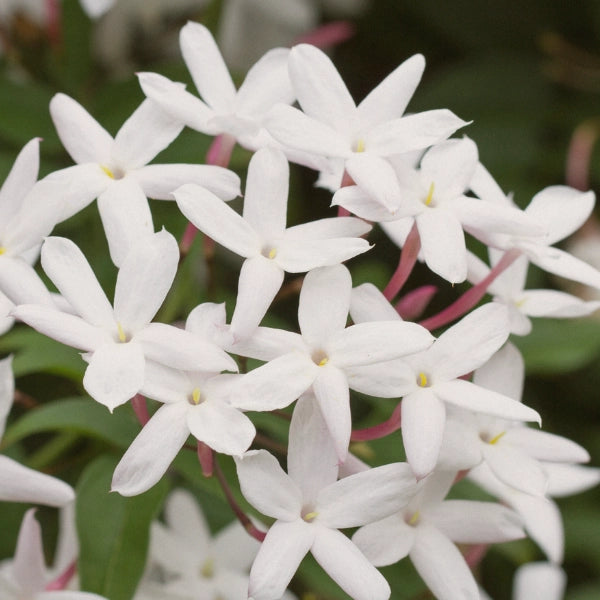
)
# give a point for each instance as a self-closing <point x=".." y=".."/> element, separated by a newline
<point x="385" y="542"/>
<point x="144" y="280"/>
<point x="217" y="220"/>
<point x="21" y="284"/>
<point x="84" y="139"/>
<point x="312" y="461"/>
<point x="148" y="131"/>
<point x="20" y="180"/>
<point x="470" y="343"/>
<point x="246" y="548"/>
<point x="442" y="566"/>
<point x="321" y="92"/>
<point x="378" y="341"/>
<point x="260" y="280"/>
<point x="391" y="379"/>
<point x="333" y="396"/>
<point x="560" y="210"/>
<point x="184" y="517"/>
<point x="276" y="384"/>
<point x="423" y="419"/>
<point x="555" y="304"/>
<point x="366" y="497"/>
<point x="390" y="98"/>
<point x="115" y="374"/>
<point x="413" y="132"/>
<point x="359" y="203"/>
<point x="21" y="484"/>
<point x="126" y="217"/>
<point x="543" y="445"/>
<point x="222" y="427"/>
<point x="335" y="227"/>
<point x="268" y="487"/>
<point x="152" y="451"/>
<point x="69" y="270"/>
<point x="443" y="244"/>
<point x="348" y="567"/>
<point x="29" y="566"/>
<point x="468" y="522"/>
<point x="68" y="329"/>
<point x="267" y="343"/>
<point x="207" y="67"/>
<point x="266" y="197"/>
<point x="542" y="580"/>
<point x="324" y="304"/>
<point x="160" y="181"/>
<point x="278" y="559"/>
<point x="503" y="373"/>
<point x="174" y="347"/>
<point x="179" y="103"/>
<point x="566" y="480"/>
<point x="367" y="304"/>
<point x="472" y="397"/>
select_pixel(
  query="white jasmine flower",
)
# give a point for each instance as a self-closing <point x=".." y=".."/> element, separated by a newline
<point x="310" y="506"/>
<point x="116" y="171"/>
<point x="119" y="340"/>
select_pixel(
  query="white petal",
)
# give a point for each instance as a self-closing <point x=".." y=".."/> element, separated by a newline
<point x="565" y="480"/>
<point x="28" y="565"/>
<point x="442" y="566"/>
<point x="312" y="460"/>
<point x="207" y="67"/>
<point x="279" y="556"/>
<point x="165" y="384"/>
<point x="348" y="567"/>
<point x="222" y="427"/>
<point x="148" y="131"/>
<point x="115" y="373"/>
<point x="265" y="201"/>
<point x="385" y="542"/>
<point x="21" y="484"/>
<point x="443" y="244"/>
<point x="160" y="181"/>
<point x="543" y="445"/>
<point x="267" y="487"/>
<point x="21" y="284"/>
<point x="82" y="136"/>
<point x="260" y="280"/>
<point x="324" y="303"/>
<point x="555" y="304"/>
<point x="391" y="379"/>
<point x="152" y="451"/>
<point x="334" y="227"/>
<point x="356" y="201"/>
<point x="267" y="343"/>
<point x="377" y="341"/>
<point x="503" y="373"/>
<point x="560" y="210"/>
<point x="367" y="303"/>
<point x="217" y="220"/>
<point x="69" y="270"/>
<point x="539" y="580"/>
<point x="320" y="90"/>
<point x="366" y="497"/>
<point x="126" y="217"/>
<point x="469" y="522"/>
<point x="423" y="419"/>
<point x="470" y="343"/>
<point x="388" y="100"/>
<point x="144" y="279"/>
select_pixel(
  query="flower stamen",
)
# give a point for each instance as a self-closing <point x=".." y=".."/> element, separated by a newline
<point x="122" y="336"/>
<point x="429" y="197"/>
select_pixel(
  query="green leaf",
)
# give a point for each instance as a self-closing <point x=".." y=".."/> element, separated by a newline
<point x="559" y="345"/>
<point x="113" y="532"/>
<point x="80" y="415"/>
<point x="36" y="353"/>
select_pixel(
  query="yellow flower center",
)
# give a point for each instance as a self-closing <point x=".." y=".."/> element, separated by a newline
<point x="429" y="196"/>
<point x="422" y="380"/>
<point x="122" y="336"/>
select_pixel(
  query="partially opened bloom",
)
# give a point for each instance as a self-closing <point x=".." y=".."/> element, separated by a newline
<point x="261" y="237"/>
<point x="426" y="531"/>
<point x="116" y="170"/>
<point x="119" y="339"/>
<point x="17" y="482"/>
<point x="310" y="505"/>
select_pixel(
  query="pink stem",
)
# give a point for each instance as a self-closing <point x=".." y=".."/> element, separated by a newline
<point x="61" y="582"/>
<point x="328" y="35"/>
<point x="378" y="431"/>
<point x="580" y="153"/>
<point x="206" y="459"/>
<point x="408" y="258"/>
<point x="53" y="14"/>
<point x="412" y="305"/>
<point x="475" y="554"/>
<point x="140" y="408"/>
<point x="471" y="297"/>
<point x="239" y="513"/>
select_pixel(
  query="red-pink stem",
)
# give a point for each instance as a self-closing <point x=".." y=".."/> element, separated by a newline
<point x="474" y="555"/>
<point x="472" y="296"/>
<point x="378" y="431"/>
<point x="239" y="513"/>
<point x="328" y="35"/>
<point x="53" y="22"/>
<point x="580" y="153"/>
<point x="140" y="408"/>
<point x="206" y="459"/>
<point x="61" y="582"/>
<point x="412" y="305"/>
<point x="408" y="258"/>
